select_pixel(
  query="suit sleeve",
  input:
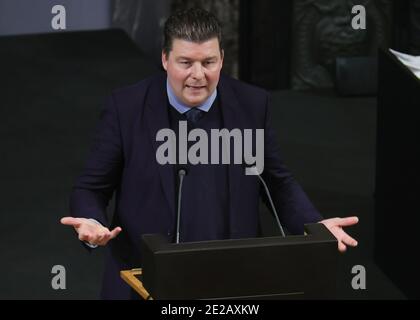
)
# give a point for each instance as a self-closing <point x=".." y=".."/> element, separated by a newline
<point x="93" y="189"/>
<point x="292" y="204"/>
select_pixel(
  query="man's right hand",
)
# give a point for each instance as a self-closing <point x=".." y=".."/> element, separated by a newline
<point x="91" y="231"/>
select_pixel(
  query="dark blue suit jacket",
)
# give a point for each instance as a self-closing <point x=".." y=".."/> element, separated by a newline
<point x="123" y="159"/>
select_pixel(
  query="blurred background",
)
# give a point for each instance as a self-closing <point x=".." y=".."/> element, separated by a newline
<point x="343" y="109"/>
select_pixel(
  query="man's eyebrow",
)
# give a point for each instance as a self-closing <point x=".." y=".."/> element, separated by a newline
<point x="211" y="58"/>
<point x="187" y="58"/>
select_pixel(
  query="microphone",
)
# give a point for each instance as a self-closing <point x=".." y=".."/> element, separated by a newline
<point x="181" y="174"/>
<point x="255" y="172"/>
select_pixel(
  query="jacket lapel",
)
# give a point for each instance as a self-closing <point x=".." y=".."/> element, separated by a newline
<point x="233" y="118"/>
<point x="157" y="118"/>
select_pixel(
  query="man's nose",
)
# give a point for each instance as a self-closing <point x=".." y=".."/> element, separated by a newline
<point x="197" y="71"/>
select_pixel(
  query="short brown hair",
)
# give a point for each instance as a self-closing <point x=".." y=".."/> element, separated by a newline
<point x="195" y="25"/>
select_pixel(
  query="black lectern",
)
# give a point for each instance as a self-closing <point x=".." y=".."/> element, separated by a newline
<point x="397" y="174"/>
<point x="292" y="267"/>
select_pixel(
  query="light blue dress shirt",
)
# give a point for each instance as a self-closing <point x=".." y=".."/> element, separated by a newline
<point x="182" y="108"/>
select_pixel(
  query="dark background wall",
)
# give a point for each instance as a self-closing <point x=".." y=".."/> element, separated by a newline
<point x="273" y="44"/>
<point x="24" y="17"/>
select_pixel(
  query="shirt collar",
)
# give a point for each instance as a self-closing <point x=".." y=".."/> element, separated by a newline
<point x="182" y="108"/>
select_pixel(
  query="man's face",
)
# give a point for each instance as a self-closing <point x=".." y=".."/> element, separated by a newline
<point x="193" y="69"/>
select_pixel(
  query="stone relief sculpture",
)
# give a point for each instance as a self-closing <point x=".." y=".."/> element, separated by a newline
<point x="143" y="21"/>
<point x="323" y="31"/>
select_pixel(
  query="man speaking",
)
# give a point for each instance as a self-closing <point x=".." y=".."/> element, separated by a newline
<point x="219" y="201"/>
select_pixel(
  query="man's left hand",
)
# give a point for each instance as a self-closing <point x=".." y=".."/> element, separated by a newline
<point x="335" y="225"/>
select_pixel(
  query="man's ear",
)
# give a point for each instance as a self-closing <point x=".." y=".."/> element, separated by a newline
<point x="222" y="55"/>
<point x="164" y="60"/>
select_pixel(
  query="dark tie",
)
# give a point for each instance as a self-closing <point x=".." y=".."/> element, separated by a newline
<point x="194" y="114"/>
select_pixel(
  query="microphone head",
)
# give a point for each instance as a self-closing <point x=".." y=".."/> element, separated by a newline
<point x="182" y="172"/>
<point x="254" y="170"/>
<point x="251" y="169"/>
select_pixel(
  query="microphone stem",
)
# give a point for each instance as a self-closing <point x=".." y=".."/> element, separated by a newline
<point x="272" y="205"/>
<point x="181" y="177"/>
